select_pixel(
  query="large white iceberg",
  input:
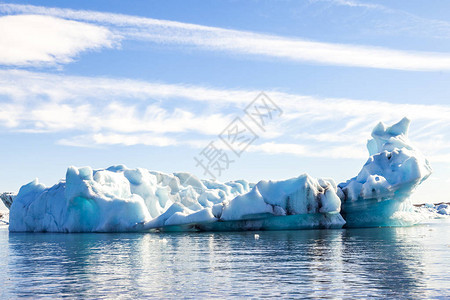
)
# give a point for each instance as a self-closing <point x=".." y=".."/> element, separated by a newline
<point x="122" y="199"/>
<point x="379" y="195"/>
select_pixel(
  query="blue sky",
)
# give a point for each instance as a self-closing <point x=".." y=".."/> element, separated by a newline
<point x="151" y="83"/>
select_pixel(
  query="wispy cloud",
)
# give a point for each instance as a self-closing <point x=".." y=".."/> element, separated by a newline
<point x="46" y="40"/>
<point x="21" y="84"/>
<point x="247" y="43"/>
<point x="388" y="21"/>
<point x="351" y="3"/>
<point x="97" y="139"/>
<point x="128" y="112"/>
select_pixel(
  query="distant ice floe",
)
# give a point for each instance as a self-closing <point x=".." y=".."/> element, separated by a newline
<point x="7" y="199"/>
<point x="123" y="199"/>
<point x="4" y="218"/>
<point x="434" y="210"/>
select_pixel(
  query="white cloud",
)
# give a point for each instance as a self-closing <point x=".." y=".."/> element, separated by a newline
<point x="98" y="139"/>
<point x="280" y="148"/>
<point x="249" y="43"/>
<point x="21" y="84"/>
<point x="388" y="21"/>
<point x="142" y="112"/>
<point x="352" y="3"/>
<point x="40" y="40"/>
<point x="357" y="151"/>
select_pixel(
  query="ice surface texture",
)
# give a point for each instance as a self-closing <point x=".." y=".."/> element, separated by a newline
<point x="379" y="195"/>
<point x="122" y="199"/>
<point x="7" y="199"/>
<point x="434" y="211"/>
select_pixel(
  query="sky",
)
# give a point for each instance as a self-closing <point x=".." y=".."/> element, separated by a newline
<point x="157" y="84"/>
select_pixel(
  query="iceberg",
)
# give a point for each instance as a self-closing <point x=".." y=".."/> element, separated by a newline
<point x="119" y="199"/>
<point x="379" y="194"/>
<point x="434" y="211"/>
<point x="7" y="199"/>
<point x="122" y="199"/>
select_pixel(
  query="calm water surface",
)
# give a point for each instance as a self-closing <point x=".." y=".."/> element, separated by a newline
<point x="398" y="263"/>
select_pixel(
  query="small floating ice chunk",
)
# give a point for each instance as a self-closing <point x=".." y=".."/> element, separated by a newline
<point x="443" y="209"/>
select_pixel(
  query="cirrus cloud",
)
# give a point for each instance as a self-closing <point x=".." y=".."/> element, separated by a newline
<point x="94" y="111"/>
<point x="46" y="40"/>
<point x="249" y="43"/>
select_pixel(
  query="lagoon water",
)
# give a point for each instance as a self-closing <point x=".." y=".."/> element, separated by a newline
<point x="400" y="263"/>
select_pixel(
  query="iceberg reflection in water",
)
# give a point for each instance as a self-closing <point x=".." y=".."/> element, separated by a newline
<point x="399" y="263"/>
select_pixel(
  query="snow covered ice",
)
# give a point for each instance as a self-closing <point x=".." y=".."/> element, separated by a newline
<point x="122" y="199"/>
<point x="434" y="211"/>
<point x="379" y="195"/>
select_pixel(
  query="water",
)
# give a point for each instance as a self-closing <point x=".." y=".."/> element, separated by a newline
<point x="395" y="263"/>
